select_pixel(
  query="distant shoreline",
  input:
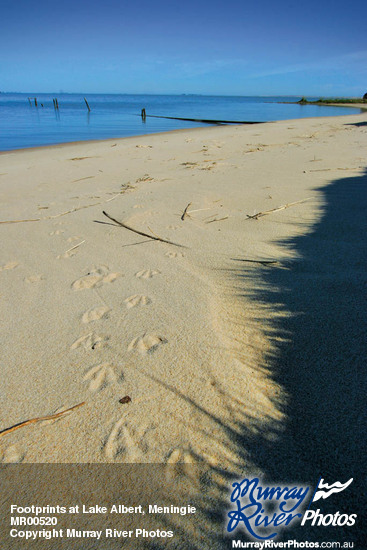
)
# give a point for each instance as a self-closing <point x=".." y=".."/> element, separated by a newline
<point x="332" y="102"/>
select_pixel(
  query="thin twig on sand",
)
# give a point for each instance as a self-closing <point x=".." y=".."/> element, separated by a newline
<point x="38" y="419"/>
<point x="21" y="221"/>
<point x="198" y="210"/>
<point x="67" y="211"/>
<point x="283" y="207"/>
<point x="75" y="246"/>
<point x="156" y="238"/>
<point x="55" y="216"/>
<point x="184" y="214"/>
<point x="217" y="219"/>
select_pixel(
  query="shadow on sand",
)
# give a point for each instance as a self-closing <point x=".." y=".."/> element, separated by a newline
<point x="318" y="357"/>
<point x="323" y="367"/>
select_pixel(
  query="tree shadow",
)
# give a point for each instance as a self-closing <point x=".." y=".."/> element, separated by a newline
<point x="358" y="124"/>
<point x="323" y="366"/>
<point x="317" y="356"/>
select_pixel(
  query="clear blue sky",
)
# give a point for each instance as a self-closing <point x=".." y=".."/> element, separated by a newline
<point x="229" y="47"/>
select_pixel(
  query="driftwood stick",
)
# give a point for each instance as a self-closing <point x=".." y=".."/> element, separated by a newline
<point x="283" y="207"/>
<point x="141" y="232"/>
<point x="33" y="420"/>
<point x="184" y="214"/>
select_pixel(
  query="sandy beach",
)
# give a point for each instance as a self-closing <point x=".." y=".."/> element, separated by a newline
<point x="238" y="344"/>
<point x="190" y="331"/>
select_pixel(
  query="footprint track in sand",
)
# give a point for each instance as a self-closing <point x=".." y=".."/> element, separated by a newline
<point x="73" y="239"/>
<point x="174" y="255"/>
<point x="147" y="273"/>
<point x="34" y="279"/>
<point x="100" y="376"/>
<point x="96" y="277"/>
<point x="12" y="455"/>
<point x="179" y="463"/>
<point x="67" y="254"/>
<point x="9" y="265"/>
<point x="178" y="456"/>
<point x="147" y="343"/>
<point x="95" y="314"/>
<point x="137" y="300"/>
<point x="90" y="341"/>
<point x="121" y="441"/>
<point x="189" y="164"/>
<point x="124" y="440"/>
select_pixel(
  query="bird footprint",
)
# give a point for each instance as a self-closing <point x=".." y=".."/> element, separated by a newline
<point x="137" y="300"/>
<point x="148" y="343"/>
<point x="100" y="376"/>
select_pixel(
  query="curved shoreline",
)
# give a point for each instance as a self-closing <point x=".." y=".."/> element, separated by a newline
<point x="168" y="132"/>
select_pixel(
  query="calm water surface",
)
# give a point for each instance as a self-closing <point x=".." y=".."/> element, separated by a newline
<point x="112" y="115"/>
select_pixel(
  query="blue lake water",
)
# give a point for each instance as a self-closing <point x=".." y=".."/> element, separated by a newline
<point x="118" y="115"/>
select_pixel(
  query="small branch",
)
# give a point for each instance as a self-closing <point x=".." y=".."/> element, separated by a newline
<point x="185" y="211"/>
<point x="39" y="419"/>
<point x="141" y="232"/>
<point x="217" y="219"/>
<point x="283" y="207"/>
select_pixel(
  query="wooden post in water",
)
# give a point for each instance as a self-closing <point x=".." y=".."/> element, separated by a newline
<point x="30" y="102"/>
<point x="86" y="102"/>
<point x="35" y="102"/>
<point x="143" y="115"/>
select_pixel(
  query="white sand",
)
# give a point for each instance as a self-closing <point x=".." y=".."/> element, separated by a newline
<point x="93" y="312"/>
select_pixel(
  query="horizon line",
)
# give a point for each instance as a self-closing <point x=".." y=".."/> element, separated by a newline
<point x="183" y="94"/>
